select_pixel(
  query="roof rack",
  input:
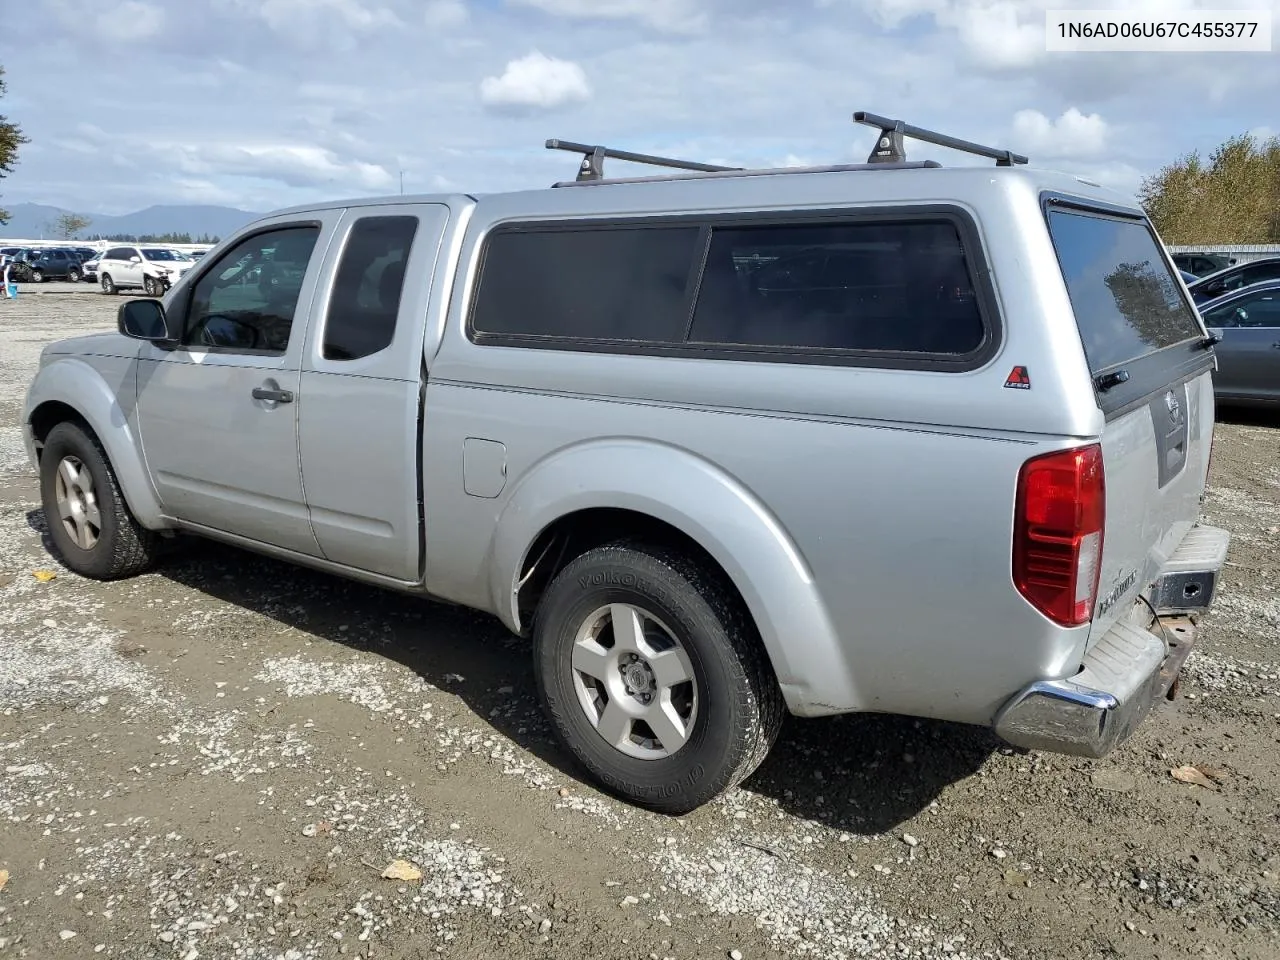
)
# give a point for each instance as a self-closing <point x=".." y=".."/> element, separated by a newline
<point x="889" y="147"/>
<point x="592" y="167"/>
<point x="889" y="153"/>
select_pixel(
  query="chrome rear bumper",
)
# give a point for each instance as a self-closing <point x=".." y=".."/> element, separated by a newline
<point x="1126" y="672"/>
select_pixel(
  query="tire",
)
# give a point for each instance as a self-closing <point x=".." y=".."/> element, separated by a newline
<point x="108" y="285"/>
<point x="114" y="548"/>
<point x="37" y="276"/>
<point x="730" y="722"/>
<point x="151" y="286"/>
<point x="73" y="275"/>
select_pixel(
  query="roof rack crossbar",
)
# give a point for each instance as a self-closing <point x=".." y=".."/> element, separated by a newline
<point x="889" y="147"/>
<point x="593" y="158"/>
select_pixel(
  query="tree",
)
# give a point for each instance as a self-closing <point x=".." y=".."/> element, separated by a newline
<point x="69" y="224"/>
<point x="11" y="139"/>
<point x="1233" y="198"/>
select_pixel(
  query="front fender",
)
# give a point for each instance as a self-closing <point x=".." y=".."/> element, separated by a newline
<point x="708" y="505"/>
<point x="80" y="386"/>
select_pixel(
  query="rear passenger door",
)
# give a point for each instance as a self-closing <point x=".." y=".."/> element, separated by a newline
<point x="362" y="382"/>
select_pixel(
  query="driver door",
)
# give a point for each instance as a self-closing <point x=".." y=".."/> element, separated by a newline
<point x="218" y="414"/>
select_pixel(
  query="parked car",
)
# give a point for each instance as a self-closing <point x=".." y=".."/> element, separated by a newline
<point x="1235" y="278"/>
<point x="19" y="259"/>
<point x="1248" y="320"/>
<point x="89" y="269"/>
<point x="53" y="263"/>
<point x="580" y="409"/>
<point x="154" y="269"/>
<point x="1202" y="263"/>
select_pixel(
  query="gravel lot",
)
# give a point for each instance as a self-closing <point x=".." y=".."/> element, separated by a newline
<point x="220" y="759"/>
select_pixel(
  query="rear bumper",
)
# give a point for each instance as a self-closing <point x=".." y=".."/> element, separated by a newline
<point x="1128" y="670"/>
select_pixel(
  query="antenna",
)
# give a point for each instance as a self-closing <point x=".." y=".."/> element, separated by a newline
<point x="889" y="147"/>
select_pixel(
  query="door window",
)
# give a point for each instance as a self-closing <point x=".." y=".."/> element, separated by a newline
<point x="1262" y="272"/>
<point x="361" y="319"/>
<point x="1256" y="310"/>
<point x="246" y="300"/>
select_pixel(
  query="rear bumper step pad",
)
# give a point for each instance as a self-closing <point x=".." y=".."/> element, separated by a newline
<point x="1127" y="671"/>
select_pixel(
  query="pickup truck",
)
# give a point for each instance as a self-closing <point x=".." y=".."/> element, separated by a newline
<point x="723" y="444"/>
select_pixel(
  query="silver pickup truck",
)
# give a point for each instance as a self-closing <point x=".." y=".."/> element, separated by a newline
<point x="725" y="444"/>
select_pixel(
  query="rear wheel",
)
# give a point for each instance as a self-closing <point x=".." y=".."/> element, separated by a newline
<point x="653" y="676"/>
<point x="89" y="522"/>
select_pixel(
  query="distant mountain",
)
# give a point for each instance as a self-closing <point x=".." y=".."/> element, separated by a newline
<point x="34" y="221"/>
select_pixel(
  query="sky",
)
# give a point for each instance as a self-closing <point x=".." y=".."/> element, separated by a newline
<point x="261" y="104"/>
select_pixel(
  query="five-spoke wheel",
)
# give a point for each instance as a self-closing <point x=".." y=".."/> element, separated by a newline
<point x="89" y="522"/>
<point x="634" y="681"/>
<point x="78" y="502"/>
<point x="654" y="676"/>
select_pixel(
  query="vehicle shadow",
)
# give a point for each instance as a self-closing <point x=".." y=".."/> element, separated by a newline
<point x="1246" y="416"/>
<point x="860" y="774"/>
<point x="867" y="774"/>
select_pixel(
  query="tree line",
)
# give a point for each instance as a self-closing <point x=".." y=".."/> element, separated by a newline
<point x="1232" y="197"/>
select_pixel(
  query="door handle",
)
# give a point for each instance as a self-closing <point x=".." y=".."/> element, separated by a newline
<point x="279" y="396"/>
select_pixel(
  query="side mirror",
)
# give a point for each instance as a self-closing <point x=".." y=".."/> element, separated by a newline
<point x="144" y="319"/>
<point x="135" y="259"/>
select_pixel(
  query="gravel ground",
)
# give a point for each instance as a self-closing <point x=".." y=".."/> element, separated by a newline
<point x="223" y="758"/>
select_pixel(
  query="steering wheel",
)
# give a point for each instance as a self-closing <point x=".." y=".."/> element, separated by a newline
<point x="209" y="340"/>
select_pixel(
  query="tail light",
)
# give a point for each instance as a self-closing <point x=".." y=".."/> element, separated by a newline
<point x="1057" y="540"/>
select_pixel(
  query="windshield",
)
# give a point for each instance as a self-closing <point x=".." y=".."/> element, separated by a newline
<point x="1126" y="301"/>
<point x="160" y="255"/>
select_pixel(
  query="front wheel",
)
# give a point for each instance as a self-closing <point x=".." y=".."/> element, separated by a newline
<point x="88" y="519"/>
<point x="653" y="676"/>
<point x="152" y="286"/>
<point x="108" y="285"/>
<point x="37" y="276"/>
<point x="73" y="275"/>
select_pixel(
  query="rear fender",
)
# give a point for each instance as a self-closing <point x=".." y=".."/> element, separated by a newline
<point x="78" y="385"/>
<point x="716" y="511"/>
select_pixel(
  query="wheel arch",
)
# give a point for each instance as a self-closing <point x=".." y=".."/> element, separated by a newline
<point x="585" y="495"/>
<point x="71" y="390"/>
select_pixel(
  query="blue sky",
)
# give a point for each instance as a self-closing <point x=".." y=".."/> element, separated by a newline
<point x="266" y="103"/>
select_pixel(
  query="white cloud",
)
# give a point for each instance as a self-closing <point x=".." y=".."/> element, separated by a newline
<point x="1072" y="135"/>
<point x="123" y="22"/>
<point x="444" y="14"/>
<point x="1000" y="34"/>
<point x="536" y="81"/>
<point x="284" y="15"/>
<point x="676" y="16"/>
<point x="291" y="164"/>
<point x="316" y="22"/>
<point x="891" y="13"/>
